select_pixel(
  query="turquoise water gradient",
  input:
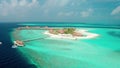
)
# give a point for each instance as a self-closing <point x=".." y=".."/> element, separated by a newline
<point x="100" y="52"/>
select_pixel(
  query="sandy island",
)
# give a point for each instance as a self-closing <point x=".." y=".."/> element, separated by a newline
<point x="63" y="33"/>
<point x="85" y="33"/>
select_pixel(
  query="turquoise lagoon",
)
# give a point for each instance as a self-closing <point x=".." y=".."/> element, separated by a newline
<point x="100" y="52"/>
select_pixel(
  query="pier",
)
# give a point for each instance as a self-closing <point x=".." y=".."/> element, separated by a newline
<point x="21" y="43"/>
<point x="34" y="39"/>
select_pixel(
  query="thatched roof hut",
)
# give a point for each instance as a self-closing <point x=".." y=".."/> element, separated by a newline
<point x="61" y="31"/>
<point x="77" y="34"/>
<point x="19" y="43"/>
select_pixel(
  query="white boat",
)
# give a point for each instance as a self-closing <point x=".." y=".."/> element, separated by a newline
<point x="14" y="46"/>
<point x="0" y="43"/>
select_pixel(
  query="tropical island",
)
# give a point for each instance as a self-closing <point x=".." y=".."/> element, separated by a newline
<point x="70" y="33"/>
<point x="60" y="33"/>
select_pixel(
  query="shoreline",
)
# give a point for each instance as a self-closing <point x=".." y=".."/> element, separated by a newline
<point x="87" y="34"/>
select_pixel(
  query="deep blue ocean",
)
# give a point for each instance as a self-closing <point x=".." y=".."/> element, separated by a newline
<point x="9" y="57"/>
<point x="12" y="58"/>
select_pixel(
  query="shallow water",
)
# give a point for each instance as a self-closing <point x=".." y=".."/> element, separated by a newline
<point x="101" y="52"/>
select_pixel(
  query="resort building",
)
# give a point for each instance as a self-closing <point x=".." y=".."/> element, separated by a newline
<point x="18" y="43"/>
<point x="77" y="34"/>
<point x="61" y="31"/>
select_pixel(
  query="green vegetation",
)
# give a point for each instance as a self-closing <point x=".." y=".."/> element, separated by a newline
<point x="64" y="31"/>
<point x="55" y="31"/>
<point x="69" y="30"/>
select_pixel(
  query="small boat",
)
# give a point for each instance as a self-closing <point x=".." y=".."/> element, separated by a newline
<point x="14" y="46"/>
<point x="0" y="43"/>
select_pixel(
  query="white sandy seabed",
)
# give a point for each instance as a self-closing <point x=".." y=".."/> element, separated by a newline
<point x="87" y="35"/>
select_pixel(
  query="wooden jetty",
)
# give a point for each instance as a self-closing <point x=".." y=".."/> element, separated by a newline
<point x="21" y="43"/>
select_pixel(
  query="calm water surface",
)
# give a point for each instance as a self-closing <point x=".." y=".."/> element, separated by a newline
<point x="102" y="52"/>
